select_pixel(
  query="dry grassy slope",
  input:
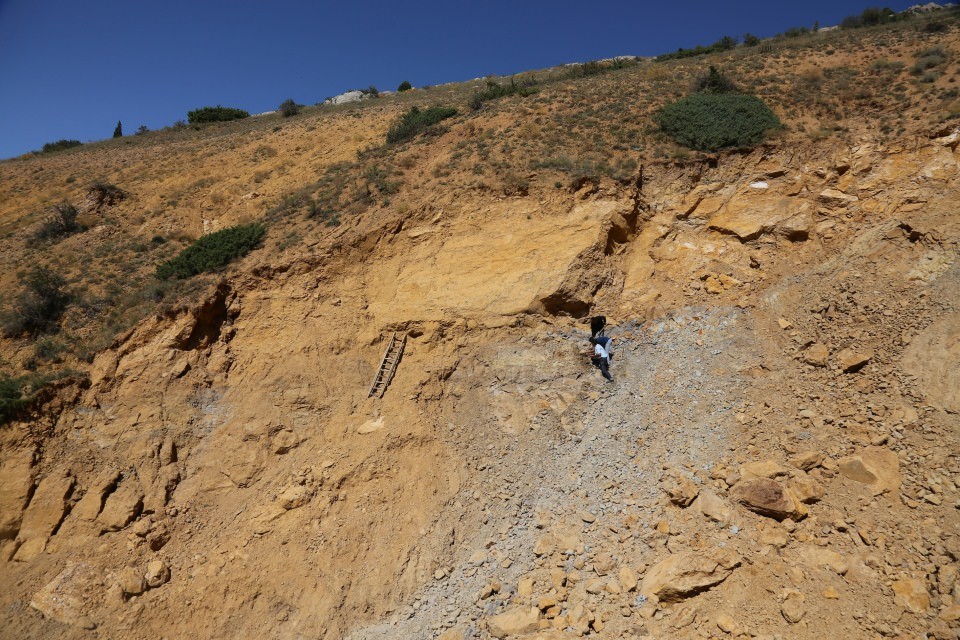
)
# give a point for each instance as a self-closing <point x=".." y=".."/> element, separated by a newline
<point x="230" y="437"/>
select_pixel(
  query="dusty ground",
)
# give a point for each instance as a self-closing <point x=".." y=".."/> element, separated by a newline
<point x="777" y="457"/>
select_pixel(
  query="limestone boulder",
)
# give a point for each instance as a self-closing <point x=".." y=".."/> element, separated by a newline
<point x="877" y="467"/>
<point x="713" y="506"/>
<point x="513" y="622"/>
<point x="768" y="498"/>
<point x="684" y="574"/>
<point x="63" y="598"/>
<point x="853" y="359"/>
<point x="816" y="354"/>
<point x="911" y="594"/>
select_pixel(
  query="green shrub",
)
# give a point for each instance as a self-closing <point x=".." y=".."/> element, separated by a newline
<point x="928" y="59"/>
<point x="18" y="393"/>
<point x="212" y="251"/>
<point x="750" y="40"/>
<point x="62" y="222"/>
<point x="723" y="44"/>
<point x="405" y="86"/>
<point x="38" y="306"/>
<point x="289" y="108"/>
<point x="714" y="82"/>
<point x="118" y="132"/>
<point x="60" y="145"/>
<point x="415" y="121"/>
<point x="12" y="399"/>
<point x="215" y="114"/>
<point x="495" y="90"/>
<point x="711" y="121"/>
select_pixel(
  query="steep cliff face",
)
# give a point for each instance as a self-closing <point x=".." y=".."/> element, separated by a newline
<point x="777" y="455"/>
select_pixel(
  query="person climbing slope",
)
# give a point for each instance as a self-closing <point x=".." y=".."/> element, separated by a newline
<point x="601" y="355"/>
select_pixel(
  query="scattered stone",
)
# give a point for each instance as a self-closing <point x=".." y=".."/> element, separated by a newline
<point x="588" y="517"/>
<point x="815" y="556"/>
<point x="774" y="535"/>
<point x="816" y="354"/>
<point x="516" y="621"/>
<point x="784" y="323"/>
<point x="950" y="613"/>
<point x="853" y="360"/>
<point x="713" y="506"/>
<point x="59" y="600"/>
<point x="831" y="593"/>
<point x="806" y="489"/>
<point x="683" y="492"/>
<point x="911" y="594"/>
<point x="131" y="581"/>
<point x="294" y="497"/>
<point x="768" y="498"/>
<point x="628" y="578"/>
<point x="793" y="608"/>
<point x="835" y="196"/>
<point x="525" y="587"/>
<point x="686" y="573"/>
<point x="727" y="624"/>
<point x="765" y="469"/>
<point x="489" y="590"/>
<point x="807" y="460"/>
<point x="158" y="573"/>
<point x="603" y="564"/>
<point x="875" y="466"/>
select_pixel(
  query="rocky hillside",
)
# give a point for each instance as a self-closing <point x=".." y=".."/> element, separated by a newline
<point x="778" y="454"/>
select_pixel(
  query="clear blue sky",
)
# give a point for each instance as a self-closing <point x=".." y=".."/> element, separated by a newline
<point x="72" y="68"/>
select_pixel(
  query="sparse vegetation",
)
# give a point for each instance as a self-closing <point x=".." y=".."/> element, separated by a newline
<point x="60" y="145"/>
<point x="213" y="251"/>
<point x="928" y="59"/>
<point x="495" y="90"/>
<point x="61" y="222"/>
<point x="39" y="305"/>
<point x="12" y="397"/>
<point x="215" y="114"/>
<point x="415" y="121"/>
<point x="725" y="43"/>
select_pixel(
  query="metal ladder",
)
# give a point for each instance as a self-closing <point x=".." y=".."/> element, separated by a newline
<point x="388" y="365"/>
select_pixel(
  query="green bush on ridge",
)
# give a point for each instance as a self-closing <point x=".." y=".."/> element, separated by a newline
<point x="60" y="145"/>
<point x="215" y="114"/>
<point x="212" y="251"/>
<point x="416" y="121"/>
<point x="495" y="90"/>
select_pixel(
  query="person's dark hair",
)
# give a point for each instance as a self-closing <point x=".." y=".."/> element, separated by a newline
<point x="593" y="340"/>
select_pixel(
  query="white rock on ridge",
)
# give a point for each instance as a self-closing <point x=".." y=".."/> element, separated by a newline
<point x="345" y="98"/>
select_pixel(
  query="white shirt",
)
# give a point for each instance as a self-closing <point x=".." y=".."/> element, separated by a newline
<point x="600" y="352"/>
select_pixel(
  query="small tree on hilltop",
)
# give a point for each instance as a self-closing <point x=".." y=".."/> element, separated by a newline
<point x="289" y="108"/>
<point x="405" y="86"/>
<point x="118" y="132"/>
